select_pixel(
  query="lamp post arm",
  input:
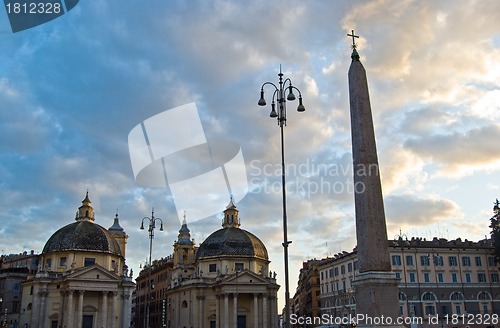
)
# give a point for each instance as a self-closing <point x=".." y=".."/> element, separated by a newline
<point x="295" y="88"/>
<point x="271" y="83"/>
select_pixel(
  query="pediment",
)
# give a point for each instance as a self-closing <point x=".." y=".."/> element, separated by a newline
<point x="245" y="276"/>
<point x="93" y="272"/>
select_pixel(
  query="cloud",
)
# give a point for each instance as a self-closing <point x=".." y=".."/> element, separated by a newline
<point x="416" y="211"/>
<point x="460" y="153"/>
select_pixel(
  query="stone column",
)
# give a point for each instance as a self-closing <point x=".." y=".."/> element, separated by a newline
<point x="126" y="310"/>
<point x="226" y="310"/>
<point x="113" y="310"/>
<point x="61" y="309"/>
<point x="70" y="309"/>
<point x="43" y="304"/>
<point x="201" y="320"/>
<point x="274" y="312"/>
<point x="376" y="286"/>
<point x="255" y="310"/>
<point x="264" y="311"/>
<point x="36" y="310"/>
<point x="217" y="311"/>
<point x="104" y="310"/>
<point x="235" y="310"/>
<point x="79" y="311"/>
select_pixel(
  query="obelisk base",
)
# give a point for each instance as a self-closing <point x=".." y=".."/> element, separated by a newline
<point x="377" y="304"/>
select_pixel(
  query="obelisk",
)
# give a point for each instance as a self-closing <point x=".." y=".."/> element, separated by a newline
<point x="376" y="286"/>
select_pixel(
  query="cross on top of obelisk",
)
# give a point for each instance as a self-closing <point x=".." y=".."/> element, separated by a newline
<point x="353" y="36"/>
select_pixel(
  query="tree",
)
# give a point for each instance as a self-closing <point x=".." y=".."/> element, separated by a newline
<point x="495" y="230"/>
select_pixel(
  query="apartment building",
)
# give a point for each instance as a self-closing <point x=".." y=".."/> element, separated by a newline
<point x="438" y="277"/>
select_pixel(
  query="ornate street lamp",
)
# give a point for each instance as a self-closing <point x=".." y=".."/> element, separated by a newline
<point x="151" y="229"/>
<point x="279" y="98"/>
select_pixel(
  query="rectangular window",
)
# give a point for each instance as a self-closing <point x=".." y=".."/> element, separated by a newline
<point x="343" y="285"/>
<point x="48" y="264"/>
<point x="444" y="309"/>
<point x="424" y="260"/>
<point x="212" y="267"/>
<point x="438" y="260"/>
<point x="239" y="267"/>
<point x="440" y="277"/>
<point x="398" y="275"/>
<point x="331" y="285"/>
<point x="331" y="273"/>
<point x="62" y="261"/>
<point x="465" y="261"/>
<point x="322" y="278"/>
<point x="467" y="277"/>
<point x="454" y="277"/>
<point x="430" y="310"/>
<point x="452" y="260"/>
<point x="426" y="277"/>
<point x="89" y="261"/>
<point x="409" y="260"/>
<point x="494" y="277"/>
<point x="355" y="265"/>
<point x="349" y="267"/>
<point x="491" y="261"/>
<point x="481" y="277"/>
<point x="342" y="269"/>
<point x="336" y="271"/>
<point x="412" y="276"/>
<point x="396" y="260"/>
<point x="326" y="288"/>
<point x="478" y="261"/>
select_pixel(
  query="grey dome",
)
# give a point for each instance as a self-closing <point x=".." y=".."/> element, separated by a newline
<point x="84" y="236"/>
<point x="232" y="241"/>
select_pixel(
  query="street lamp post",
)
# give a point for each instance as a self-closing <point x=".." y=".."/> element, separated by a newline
<point x="279" y="97"/>
<point x="151" y="229"/>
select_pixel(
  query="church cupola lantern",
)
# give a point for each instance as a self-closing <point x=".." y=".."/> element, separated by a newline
<point x="231" y="216"/>
<point x="86" y="211"/>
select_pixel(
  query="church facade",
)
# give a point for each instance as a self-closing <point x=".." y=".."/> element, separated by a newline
<point x="82" y="280"/>
<point x="223" y="283"/>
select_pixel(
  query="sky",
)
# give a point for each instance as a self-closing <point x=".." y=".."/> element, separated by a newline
<point x="72" y="90"/>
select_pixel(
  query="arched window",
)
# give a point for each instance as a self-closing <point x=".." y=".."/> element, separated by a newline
<point x="402" y="296"/>
<point x="457" y="296"/>
<point x="428" y="296"/>
<point x="484" y="296"/>
<point x="184" y="304"/>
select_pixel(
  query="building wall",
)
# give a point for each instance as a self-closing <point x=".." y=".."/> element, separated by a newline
<point x="161" y="276"/>
<point x="437" y="277"/>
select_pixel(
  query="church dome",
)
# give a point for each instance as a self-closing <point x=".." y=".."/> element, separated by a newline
<point x="83" y="235"/>
<point x="231" y="240"/>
